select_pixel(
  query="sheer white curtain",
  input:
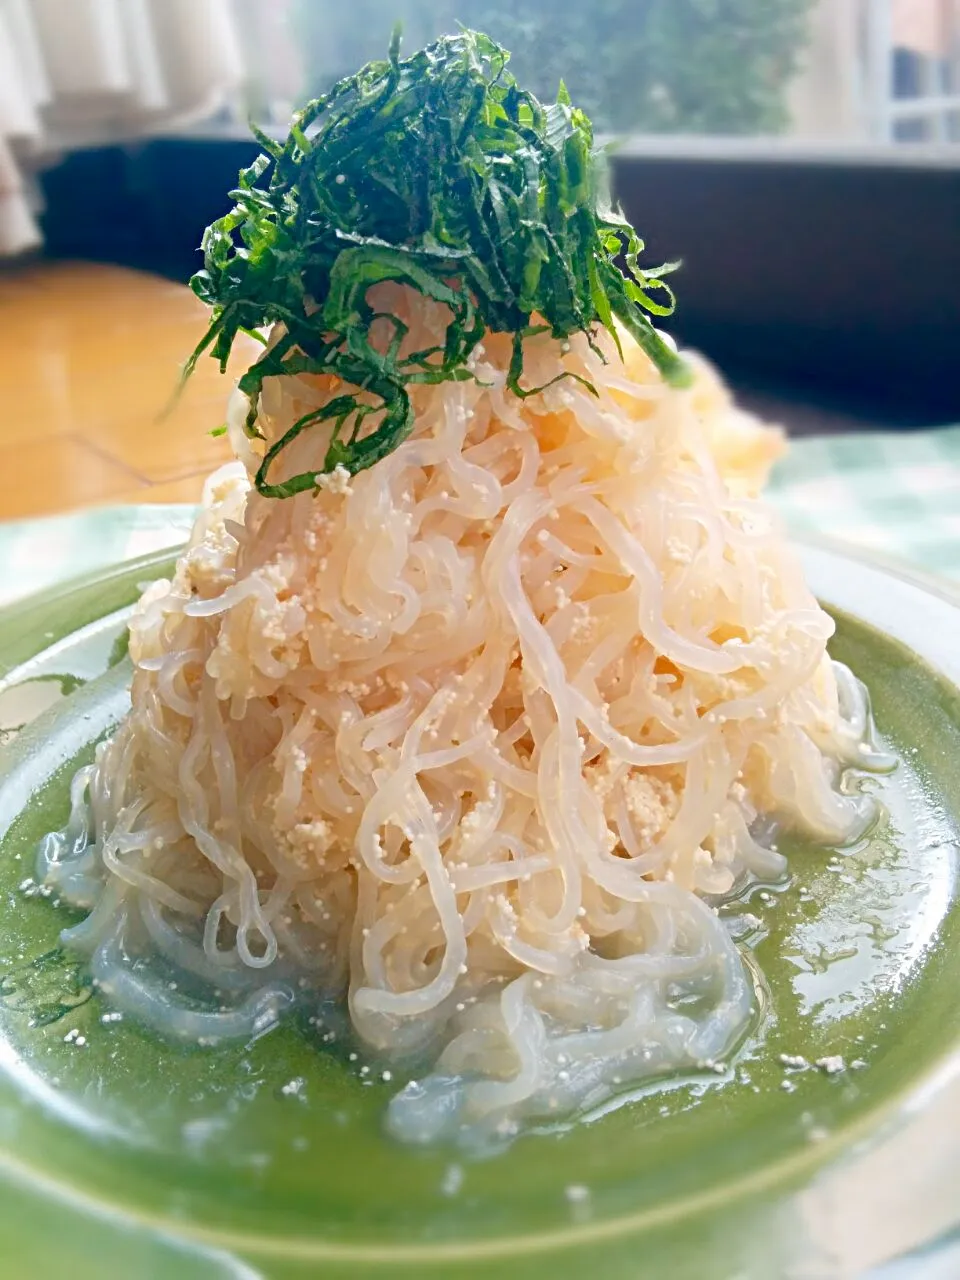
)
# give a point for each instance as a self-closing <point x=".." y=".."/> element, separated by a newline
<point x="81" y="72"/>
<point x="825" y="98"/>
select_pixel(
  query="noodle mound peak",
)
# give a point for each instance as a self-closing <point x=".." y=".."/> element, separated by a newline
<point x="441" y="173"/>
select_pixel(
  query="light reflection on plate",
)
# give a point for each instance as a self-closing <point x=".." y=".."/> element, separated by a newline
<point x="879" y="910"/>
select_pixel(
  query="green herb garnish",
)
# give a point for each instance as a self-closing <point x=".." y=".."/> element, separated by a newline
<point x="440" y="172"/>
<point x="47" y="988"/>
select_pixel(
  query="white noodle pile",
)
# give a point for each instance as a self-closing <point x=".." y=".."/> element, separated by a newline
<point x="471" y="737"/>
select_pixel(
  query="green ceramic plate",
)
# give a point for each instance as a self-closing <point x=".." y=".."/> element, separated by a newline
<point x="124" y="1156"/>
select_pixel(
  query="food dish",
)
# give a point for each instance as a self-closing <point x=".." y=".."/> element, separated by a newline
<point x="485" y="681"/>
<point x="152" y="1154"/>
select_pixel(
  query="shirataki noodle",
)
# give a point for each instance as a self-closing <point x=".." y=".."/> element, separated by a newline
<point x="477" y="738"/>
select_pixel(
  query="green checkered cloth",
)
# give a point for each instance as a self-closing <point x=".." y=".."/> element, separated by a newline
<point x="898" y="494"/>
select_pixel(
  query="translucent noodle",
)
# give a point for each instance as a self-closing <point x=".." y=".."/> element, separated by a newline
<point x="476" y="740"/>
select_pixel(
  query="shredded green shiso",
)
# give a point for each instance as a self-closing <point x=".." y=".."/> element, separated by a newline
<point x="440" y="172"/>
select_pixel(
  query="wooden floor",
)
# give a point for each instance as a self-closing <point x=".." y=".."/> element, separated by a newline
<point x="89" y="358"/>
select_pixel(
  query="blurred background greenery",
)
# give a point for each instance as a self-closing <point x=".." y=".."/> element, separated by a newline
<point x="658" y="66"/>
